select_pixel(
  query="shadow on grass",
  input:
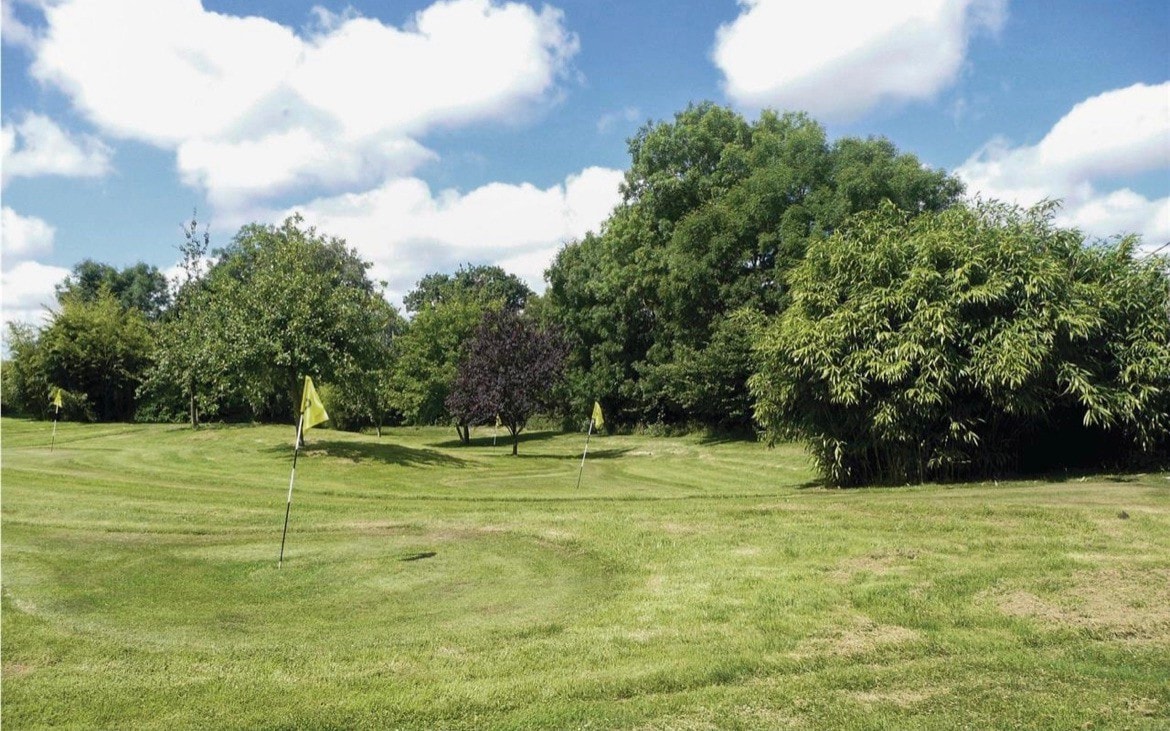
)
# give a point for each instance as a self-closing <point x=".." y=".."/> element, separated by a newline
<point x="593" y="454"/>
<point x="503" y="440"/>
<point x="395" y="454"/>
<point x="419" y="556"/>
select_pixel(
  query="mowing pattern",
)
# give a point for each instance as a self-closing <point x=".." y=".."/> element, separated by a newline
<point x="687" y="584"/>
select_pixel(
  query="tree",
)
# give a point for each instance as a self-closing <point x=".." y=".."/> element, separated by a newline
<point x="189" y="365"/>
<point x="427" y="356"/>
<point x="508" y="370"/>
<point x="140" y="287"/>
<point x="98" y="348"/>
<point x="966" y="343"/>
<point x="291" y="302"/>
<point x="716" y="212"/>
<point x="483" y="284"/>
<point x="26" y="381"/>
<point x="447" y="308"/>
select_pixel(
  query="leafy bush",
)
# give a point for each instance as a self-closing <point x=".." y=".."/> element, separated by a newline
<point x="973" y="341"/>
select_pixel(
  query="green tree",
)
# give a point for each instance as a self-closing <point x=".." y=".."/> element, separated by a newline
<point x="427" y="354"/>
<point x="26" y="379"/>
<point x="98" y="348"/>
<point x="716" y="211"/>
<point x="967" y="342"/>
<point x="141" y="286"/>
<point x="291" y="302"/>
<point x="480" y="283"/>
<point x="189" y="367"/>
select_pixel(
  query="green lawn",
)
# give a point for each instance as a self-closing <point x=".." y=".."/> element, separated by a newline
<point x="687" y="584"/>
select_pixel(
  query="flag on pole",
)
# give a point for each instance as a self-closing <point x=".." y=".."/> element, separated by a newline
<point x="56" y="400"/>
<point x="312" y="410"/>
<point x="312" y="413"/>
<point x="595" y="420"/>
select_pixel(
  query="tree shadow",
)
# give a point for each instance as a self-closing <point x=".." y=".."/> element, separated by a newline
<point x="504" y="439"/>
<point x="387" y="453"/>
<point x="593" y="454"/>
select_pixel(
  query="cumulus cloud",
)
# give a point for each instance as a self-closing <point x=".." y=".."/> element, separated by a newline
<point x="408" y="231"/>
<point x="36" y="145"/>
<point x="1117" y="133"/>
<point x="254" y="109"/>
<point x="839" y="58"/>
<point x="26" y="285"/>
<point x="23" y="236"/>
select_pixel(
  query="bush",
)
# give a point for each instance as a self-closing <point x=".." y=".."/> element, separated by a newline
<point x="970" y="342"/>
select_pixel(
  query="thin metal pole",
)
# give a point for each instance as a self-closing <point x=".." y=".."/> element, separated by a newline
<point x="291" y="478"/>
<point x="582" y="469"/>
<point x="53" y="441"/>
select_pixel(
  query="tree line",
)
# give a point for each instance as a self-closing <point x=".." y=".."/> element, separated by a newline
<point x="754" y="277"/>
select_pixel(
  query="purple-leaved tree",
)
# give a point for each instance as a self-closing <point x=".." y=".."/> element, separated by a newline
<point x="510" y="368"/>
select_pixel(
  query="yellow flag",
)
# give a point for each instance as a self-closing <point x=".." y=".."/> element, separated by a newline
<point x="312" y="410"/>
<point x="598" y="419"/>
<point x="498" y="422"/>
<point x="55" y="396"/>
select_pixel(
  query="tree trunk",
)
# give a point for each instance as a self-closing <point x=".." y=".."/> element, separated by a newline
<point x="515" y="439"/>
<point x="464" y="431"/>
<point x="194" y="410"/>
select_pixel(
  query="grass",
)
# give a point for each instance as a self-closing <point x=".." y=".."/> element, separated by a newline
<point x="685" y="585"/>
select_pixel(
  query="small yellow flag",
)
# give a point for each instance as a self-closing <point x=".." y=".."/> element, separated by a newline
<point x="598" y="419"/>
<point x="55" y="397"/>
<point x="312" y="410"/>
<point x="498" y="422"/>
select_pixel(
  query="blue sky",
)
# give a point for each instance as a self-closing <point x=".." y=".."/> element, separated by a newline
<point x="429" y="134"/>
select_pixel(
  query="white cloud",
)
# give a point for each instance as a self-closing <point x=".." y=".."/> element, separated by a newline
<point x="839" y="58"/>
<point x="27" y="288"/>
<point x="407" y="231"/>
<point x="253" y="109"/>
<point x="12" y="31"/>
<point x="23" y="237"/>
<point x="38" y="146"/>
<point x="25" y="285"/>
<point x="1117" y="133"/>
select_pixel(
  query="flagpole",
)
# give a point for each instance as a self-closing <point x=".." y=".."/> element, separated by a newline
<point x="56" y="412"/>
<point x="291" y="478"/>
<point x="582" y="469"/>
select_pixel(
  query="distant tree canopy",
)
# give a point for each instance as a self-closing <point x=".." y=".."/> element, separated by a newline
<point x="139" y="287"/>
<point x="480" y="284"/>
<point x="969" y="342"/>
<point x="716" y="212"/>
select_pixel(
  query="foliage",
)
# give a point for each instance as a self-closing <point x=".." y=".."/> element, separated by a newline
<point x="483" y="284"/>
<point x="715" y="213"/>
<point x="190" y="369"/>
<point x="141" y="287"/>
<point x="290" y="302"/>
<point x="427" y="356"/>
<point x="26" y="382"/>
<point x="967" y="342"/>
<point x="447" y="309"/>
<point x="509" y="370"/>
<point x="94" y="347"/>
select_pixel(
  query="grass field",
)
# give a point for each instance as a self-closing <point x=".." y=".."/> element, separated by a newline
<point x="688" y="584"/>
